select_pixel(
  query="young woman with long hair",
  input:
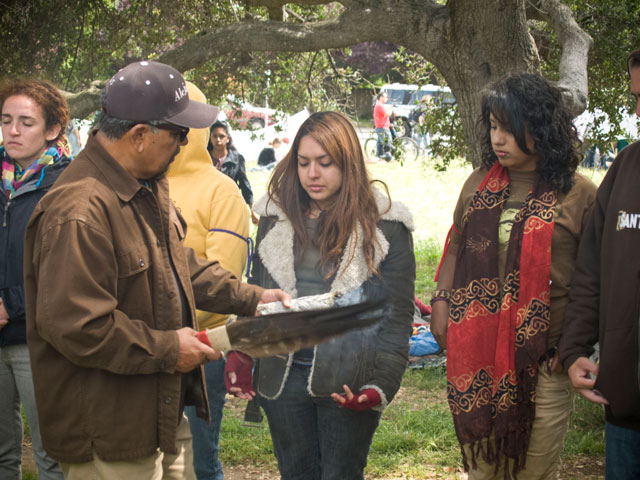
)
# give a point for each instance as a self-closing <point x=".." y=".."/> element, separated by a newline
<point x="325" y="228"/>
<point x="504" y="282"/>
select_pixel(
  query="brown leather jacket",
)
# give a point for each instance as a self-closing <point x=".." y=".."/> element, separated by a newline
<point x="102" y="308"/>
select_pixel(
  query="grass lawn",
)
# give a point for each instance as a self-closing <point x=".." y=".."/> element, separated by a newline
<point x="416" y="439"/>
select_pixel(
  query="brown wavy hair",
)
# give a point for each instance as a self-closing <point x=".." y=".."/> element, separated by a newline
<point x="53" y="104"/>
<point x="353" y="204"/>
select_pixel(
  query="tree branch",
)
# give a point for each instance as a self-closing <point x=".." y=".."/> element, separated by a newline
<point x="86" y="102"/>
<point x="575" y="44"/>
<point x="267" y="36"/>
<point x="282" y="3"/>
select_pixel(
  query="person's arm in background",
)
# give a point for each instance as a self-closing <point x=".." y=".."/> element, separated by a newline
<point x="77" y="134"/>
<point x="245" y="187"/>
<point x="243" y="181"/>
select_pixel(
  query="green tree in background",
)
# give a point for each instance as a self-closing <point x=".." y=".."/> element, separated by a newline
<point x="237" y="46"/>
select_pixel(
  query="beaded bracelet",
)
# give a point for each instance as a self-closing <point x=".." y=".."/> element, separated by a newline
<point x="440" y="296"/>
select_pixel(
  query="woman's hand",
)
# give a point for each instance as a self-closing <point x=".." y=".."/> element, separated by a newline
<point x="4" y="316"/>
<point x="440" y="322"/>
<point x="440" y="308"/>
<point x="238" y="375"/>
<point x="365" y="400"/>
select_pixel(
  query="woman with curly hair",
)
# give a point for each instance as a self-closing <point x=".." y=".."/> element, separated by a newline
<point x="504" y="282"/>
<point x="33" y="154"/>
<point x="325" y="228"/>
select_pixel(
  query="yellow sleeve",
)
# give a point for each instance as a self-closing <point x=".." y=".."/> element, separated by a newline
<point x="228" y="213"/>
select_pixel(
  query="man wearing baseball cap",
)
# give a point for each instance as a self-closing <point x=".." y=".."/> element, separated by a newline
<point x="111" y="291"/>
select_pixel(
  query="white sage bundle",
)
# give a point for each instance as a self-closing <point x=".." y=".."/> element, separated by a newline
<point x="302" y="304"/>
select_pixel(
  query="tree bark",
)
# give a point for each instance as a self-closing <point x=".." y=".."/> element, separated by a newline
<point x="472" y="43"/>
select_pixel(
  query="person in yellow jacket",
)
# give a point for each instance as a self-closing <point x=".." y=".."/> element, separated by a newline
<point x="217" y="228"/>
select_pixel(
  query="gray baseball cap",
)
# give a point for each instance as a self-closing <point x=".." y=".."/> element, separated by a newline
<point x="148" y="90"/>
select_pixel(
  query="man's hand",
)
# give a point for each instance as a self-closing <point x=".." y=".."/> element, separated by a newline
<point x="274" y="295"/>
<point x="238" y="375"/>
<point x="365" y="400"/>
<point x="580" y="374"/>
<point x="4" y="316"/>
<point x="192" y="351"/>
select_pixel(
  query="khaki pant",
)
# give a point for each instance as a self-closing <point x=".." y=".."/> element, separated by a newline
<point x="554" y="404"/>
<point x="158" y="466"/>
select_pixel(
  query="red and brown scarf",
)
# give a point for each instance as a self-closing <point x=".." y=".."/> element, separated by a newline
<point x="498" y="334"/>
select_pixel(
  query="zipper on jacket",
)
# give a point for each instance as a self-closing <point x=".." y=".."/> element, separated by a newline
<point x="6" y="212"/>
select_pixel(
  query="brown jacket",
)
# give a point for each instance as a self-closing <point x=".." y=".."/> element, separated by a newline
<point x="102" y="308"/>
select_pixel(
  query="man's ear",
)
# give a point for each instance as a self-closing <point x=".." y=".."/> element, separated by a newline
<point x="138" y="136"/>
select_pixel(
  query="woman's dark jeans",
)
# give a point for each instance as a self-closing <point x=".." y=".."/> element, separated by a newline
<point x="314" y="439"/>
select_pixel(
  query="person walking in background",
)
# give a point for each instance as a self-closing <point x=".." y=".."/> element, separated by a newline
<point x="324" y="228"/>
<point x="603" y="306"/>
<point x="229" y="161"/>
<point x="382" y="123"/>
<point x="418" y="118"/>
<point x="111" y="291"/>
<point x="217" y="229"/>
<point x="504" y="283"/>
<point x="33" y="155"/>
<point x="73" y="137"/>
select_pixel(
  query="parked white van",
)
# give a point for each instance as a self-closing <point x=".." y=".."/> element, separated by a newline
<point x="405" y="97"/>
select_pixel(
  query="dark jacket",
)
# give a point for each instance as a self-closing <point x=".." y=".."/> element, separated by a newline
<point x="106" y="280"/>
<point x="267" y="156"/>
<point x="15" y="215"/>
<point x="604" y="303"/>
<point x="234" y="168"/>
<point x="374" y="358"/>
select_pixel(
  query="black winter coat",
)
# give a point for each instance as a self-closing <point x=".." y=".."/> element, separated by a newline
<point x="15" y="215"/>
<point x="234" y="168"/>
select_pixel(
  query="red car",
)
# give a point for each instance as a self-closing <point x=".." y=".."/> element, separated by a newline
<point x="247" y="116"/>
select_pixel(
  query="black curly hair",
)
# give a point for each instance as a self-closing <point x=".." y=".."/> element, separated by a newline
<point x="526" y="102"/>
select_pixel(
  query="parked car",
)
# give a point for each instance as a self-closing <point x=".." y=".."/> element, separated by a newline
<point x="243" y="115"/>
<point x="405" y="97"/>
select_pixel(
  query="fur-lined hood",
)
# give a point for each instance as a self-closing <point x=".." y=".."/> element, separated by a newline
<point x="276" y="248"/>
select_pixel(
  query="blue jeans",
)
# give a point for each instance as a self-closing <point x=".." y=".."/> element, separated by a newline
<point x="622" y="453"/>
<point x="206" y="437"/>
<point x="312" y="438"/>
<point x="384" y="141"/>
<point x="16" y="386"/>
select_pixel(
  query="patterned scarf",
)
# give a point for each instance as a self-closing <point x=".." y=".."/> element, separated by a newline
<point x="13" y="177"/>
<point x="496" y="337"/>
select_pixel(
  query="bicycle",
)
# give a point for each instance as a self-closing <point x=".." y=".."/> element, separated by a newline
<point x="402" y="148"/>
